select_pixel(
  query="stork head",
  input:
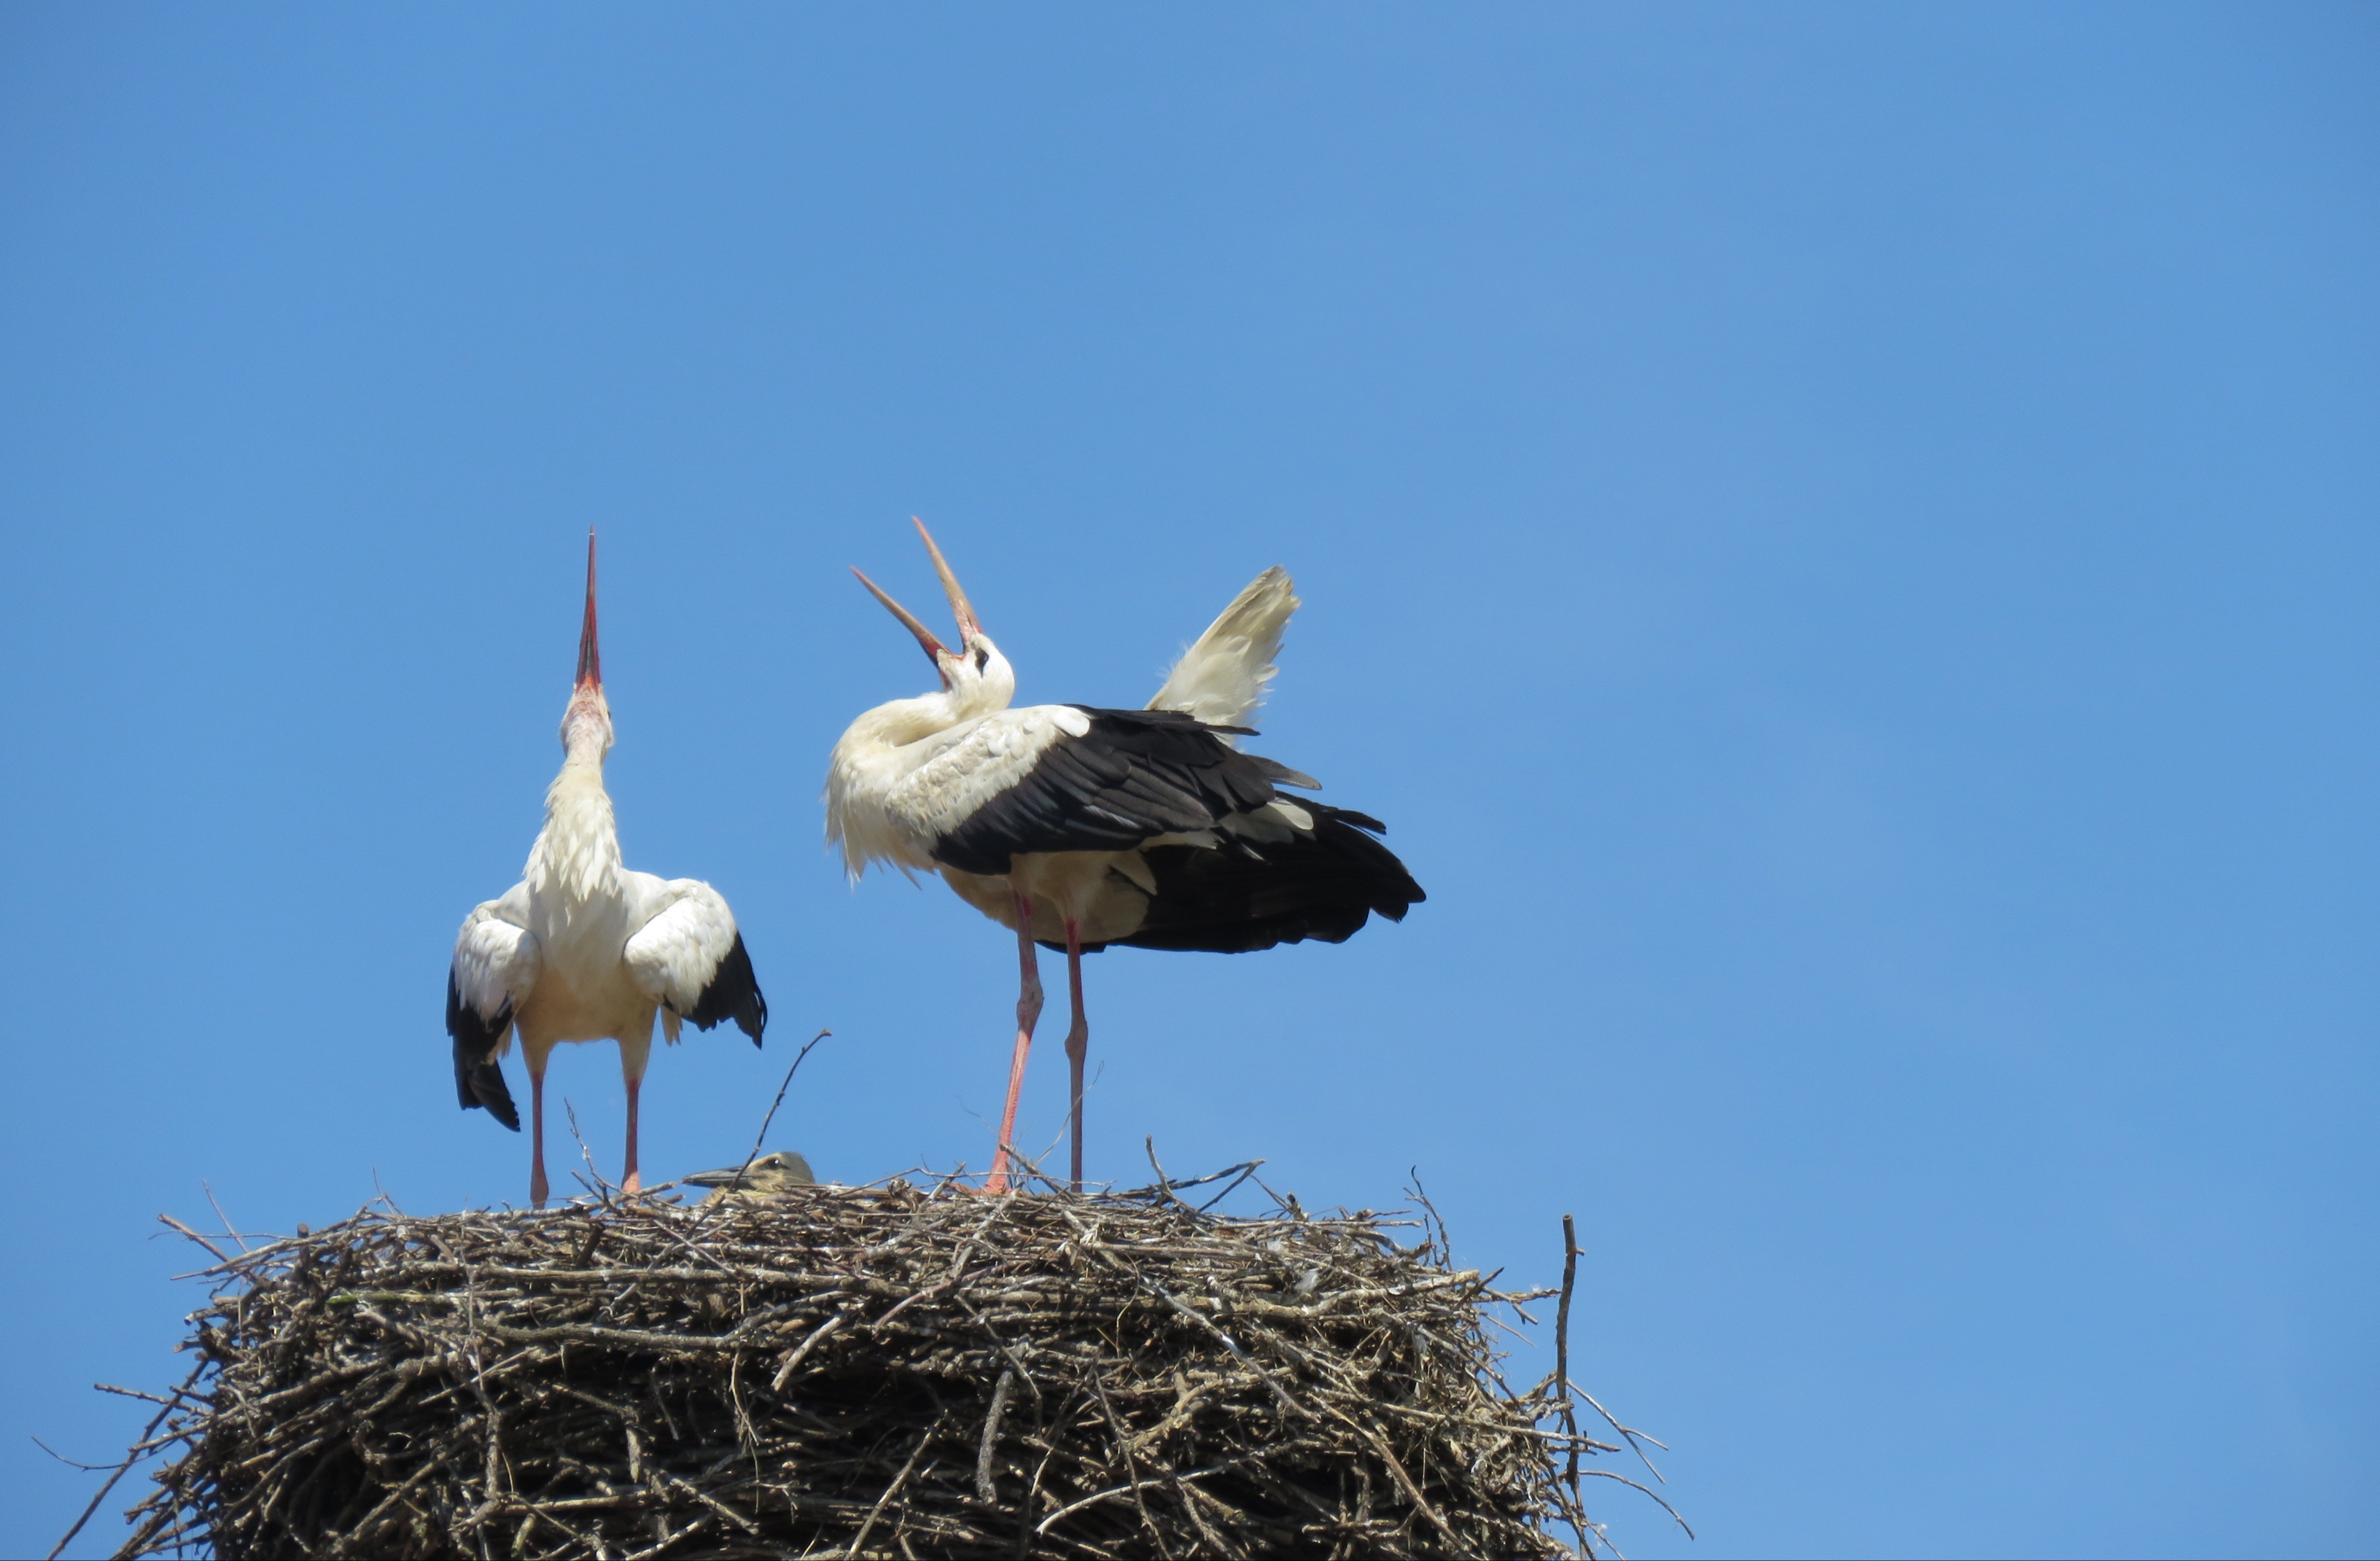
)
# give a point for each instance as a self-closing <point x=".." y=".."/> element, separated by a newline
<point x="587" y="722"/>
<point x="976" y="675"/>
<point x="769" y="1173"/>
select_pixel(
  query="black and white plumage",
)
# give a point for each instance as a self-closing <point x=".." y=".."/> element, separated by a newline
<point x="1080" y="828"/>
<point x="582" y="948"/>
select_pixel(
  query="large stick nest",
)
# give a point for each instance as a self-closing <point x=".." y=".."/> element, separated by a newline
<point x="891" y="1371"/>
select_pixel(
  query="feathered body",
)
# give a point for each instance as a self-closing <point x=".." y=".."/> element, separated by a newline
<point x="1148" y="828"/>
<point x="583" y="949"/>
<point x="1080" y="828"/>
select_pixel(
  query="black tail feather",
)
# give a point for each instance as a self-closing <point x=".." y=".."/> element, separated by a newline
<point x="1325" y="885"/>
<point x="478" y="1081"/>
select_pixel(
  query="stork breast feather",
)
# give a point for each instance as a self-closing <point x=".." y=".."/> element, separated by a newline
<point x="674" y="954"/>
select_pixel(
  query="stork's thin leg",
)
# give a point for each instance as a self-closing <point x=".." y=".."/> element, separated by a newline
<point x="1078" y="1041"/>
<point x="1028" y="1013"/>
<point x="629" y="1181"/>
<point x="537" y="1128"/>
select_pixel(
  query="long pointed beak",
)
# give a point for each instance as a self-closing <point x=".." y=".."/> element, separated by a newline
<point x="714" y="1178"/>
<point x="968" y="623"/>
<point x="908" y="620"/>
<point x="591" y="659"/>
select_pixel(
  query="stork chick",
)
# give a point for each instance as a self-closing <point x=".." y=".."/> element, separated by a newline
<point x="1079" y="828"/>
<point x="764" y="1179"/>
<point x="584" y="949"/>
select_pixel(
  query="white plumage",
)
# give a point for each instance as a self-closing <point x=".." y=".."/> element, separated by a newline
<point x="1221" y="679"/>
<point x="496" y="961"/>
<point x="910" y="771"/>
<point x="685" y="931"/>
<point x="678" y="932"/>
<point x="1081" y="827"/>
<point x="583" y="949"/>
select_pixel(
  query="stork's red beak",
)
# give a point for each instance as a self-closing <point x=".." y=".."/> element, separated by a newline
<point x="591" y="659"/>
<point x="969" y="624"/>
<point x="908" y="619"/>
<point x="959" y="607"/>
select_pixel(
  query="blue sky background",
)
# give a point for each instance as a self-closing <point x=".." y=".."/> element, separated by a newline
<point x="1840" y="538"/>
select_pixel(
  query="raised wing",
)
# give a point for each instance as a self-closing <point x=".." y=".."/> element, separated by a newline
<point x="1107" y="781"/>
<point x="495" y="964"/>
<point x="1221" y="679"/>
<point x="687" y="956"/>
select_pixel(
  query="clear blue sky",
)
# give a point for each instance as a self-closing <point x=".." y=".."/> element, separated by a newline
<point x="1840" y="538"/>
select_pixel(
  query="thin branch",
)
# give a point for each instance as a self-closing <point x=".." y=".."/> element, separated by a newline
<point x="220" y="1255"/>
<point x="67" y="1538"/>
<point x="1561" y="1367"/>
<point x="593" y="1181"/>
<point x="892" y="1490"/>
<point x="762" y="1136"/>
<point x="238" y="1240"/>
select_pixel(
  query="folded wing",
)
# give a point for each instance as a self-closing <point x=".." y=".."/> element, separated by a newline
<point x="1108" y="781"/>
<point x="495" y="963"/>
<point x="689" y="957"/>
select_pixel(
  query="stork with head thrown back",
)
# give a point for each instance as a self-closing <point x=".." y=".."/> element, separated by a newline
<point x="584" y="949"/>
<point x="1079" y="828"/>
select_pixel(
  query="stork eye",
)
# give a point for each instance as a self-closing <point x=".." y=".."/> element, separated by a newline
<point x="982" y="658"/>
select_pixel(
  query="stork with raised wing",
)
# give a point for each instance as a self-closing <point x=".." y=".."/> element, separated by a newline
<point x="1079" y="828"/>
<point x="584" y="949"/>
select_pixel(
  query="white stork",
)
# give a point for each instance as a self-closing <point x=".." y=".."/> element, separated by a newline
<point x="766" y="1179"/>
<point x="582" y="948"/>
<point x="1081" y="827"/>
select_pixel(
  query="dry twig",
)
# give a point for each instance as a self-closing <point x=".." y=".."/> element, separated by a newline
<point x="838" y="1371"/>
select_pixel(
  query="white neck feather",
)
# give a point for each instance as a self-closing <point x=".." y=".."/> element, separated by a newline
<point x="577" y="858"/>
<point x="873" y="755"/>
<point x="904" y="721"/>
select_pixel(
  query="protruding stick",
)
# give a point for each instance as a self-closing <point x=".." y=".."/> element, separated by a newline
<point x="1562" y="1344"/>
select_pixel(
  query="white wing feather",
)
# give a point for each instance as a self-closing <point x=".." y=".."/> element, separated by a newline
<point x="496" y="958"/>
<point x="686" y="929"/>
<point x="1221" y="679"/>
<point x="961" y="769"/>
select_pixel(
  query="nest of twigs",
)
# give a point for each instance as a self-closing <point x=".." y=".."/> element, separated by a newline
<point x="891" y="1371"/>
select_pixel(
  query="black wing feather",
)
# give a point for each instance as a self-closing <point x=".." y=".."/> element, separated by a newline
<point x="1324" y="885"/>
<point x="733" y="993"/>
<point x="1133" y="774"/>
<point x="478" y="1081"/>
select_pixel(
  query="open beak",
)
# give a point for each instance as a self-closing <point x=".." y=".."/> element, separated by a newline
<point x="908" y="620"/>
<point x="959" y="609"/>
<point x="590" y="659"/>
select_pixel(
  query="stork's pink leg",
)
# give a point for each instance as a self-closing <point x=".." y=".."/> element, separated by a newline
<point x="535" y="1129"/>
<point x="629" y="1181"/>
<point x="1078" y="1041"/>
<point x="1028" y="1013"/>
